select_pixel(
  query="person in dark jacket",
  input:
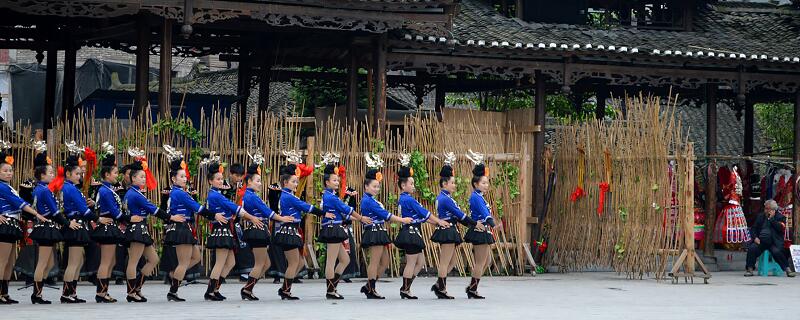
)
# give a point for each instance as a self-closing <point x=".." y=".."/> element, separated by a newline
<point x="767" y="234"/>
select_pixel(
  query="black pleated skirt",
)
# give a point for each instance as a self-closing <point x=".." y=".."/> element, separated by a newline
<point x="409" y="239"/>
<point x="178" y="233"/>
<point x="479" y="237"/>
<point x="374" y="235"/>
<point x="256" y="237"/>
<point x="220" y="237"/>
<point x="46" y="233"/>
<point x="108" y="234"/>
<point x="138" y="233"/>
<point x="332" y="233"/>
<point x="288" y="237"/>
<point x="76" y="238"/>
<point x="447" y="235"/>
<point x="10" y="231"/>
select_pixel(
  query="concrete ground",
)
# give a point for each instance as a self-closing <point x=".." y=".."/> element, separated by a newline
<point x="591" y="295"/>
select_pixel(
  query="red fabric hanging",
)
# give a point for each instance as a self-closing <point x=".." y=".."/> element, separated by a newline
<point x="601" y="205"/>
<point x="58" y="182"/>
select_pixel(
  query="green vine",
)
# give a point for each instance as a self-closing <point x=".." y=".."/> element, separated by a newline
<point x="182" y="127"/>
<point x="421" y="176"/>
<point x="461" y="191"/>
<point x="509" y="178"/>
<point x="377" y="145"/>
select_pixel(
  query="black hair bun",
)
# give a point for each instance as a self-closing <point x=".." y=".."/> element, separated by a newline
<point x="446" y="172"/>
<point x="479" y="170"/>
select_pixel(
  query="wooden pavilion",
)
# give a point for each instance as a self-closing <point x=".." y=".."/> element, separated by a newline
<point x="707" y="51"/>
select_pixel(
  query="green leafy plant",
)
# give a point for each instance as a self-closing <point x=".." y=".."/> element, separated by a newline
<point x="421" y="176"/>
<point x="377" y="145"/>
<point x="775" y="121"/>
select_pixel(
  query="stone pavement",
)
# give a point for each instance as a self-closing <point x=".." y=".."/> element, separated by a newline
<point x="590" y="295"/>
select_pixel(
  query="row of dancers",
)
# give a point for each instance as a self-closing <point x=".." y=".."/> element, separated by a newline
<point x="78" y="221"/>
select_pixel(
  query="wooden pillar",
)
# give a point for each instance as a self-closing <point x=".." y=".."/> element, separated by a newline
<point x="439" y="100"/>
<point x="379" y="74"/>
<point x="602" y="95"/>
<point x="352" y="86"/>
<point x="796" y="160"/>
<point x="142" y="92"/>
<point x="540" y="103"/>
<point x="50" y="90"/>
<point x="68" y="88"/>
<point x="711" y="183"/>
<point x="243" y="89"/>
<point x="263" y="83"/>
<point x="748" y="150"/>
<point x="165" y="71"/>
<point x="520" y="13"/>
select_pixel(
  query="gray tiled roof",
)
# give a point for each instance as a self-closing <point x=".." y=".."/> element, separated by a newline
<point x="726" y="30"/>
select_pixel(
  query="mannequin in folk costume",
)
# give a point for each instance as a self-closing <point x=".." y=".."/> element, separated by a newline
<point x="257" y="237"/>
<point x="374" y="237"/>
<point x="46" y="234"/>
<point x="731" y="227"/>
<point x="12" y="208"/>
<point x="409" y="239"/>
<point x="480" y="235"/>
<point x="784" y="189"/>
<point x="448" y="238"/>
<point x="332" y="230"/>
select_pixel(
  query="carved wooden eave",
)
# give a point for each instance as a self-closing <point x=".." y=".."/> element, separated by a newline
<point x="367" y="16"/>
<point x="614" y="75"/>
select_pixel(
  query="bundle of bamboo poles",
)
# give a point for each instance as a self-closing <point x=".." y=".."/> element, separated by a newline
<point x="271" y="135"/>
<point x="644" y="160"/>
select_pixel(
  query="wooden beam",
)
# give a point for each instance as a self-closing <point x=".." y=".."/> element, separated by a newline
<point x="51" y="78"/>
<point x="165" y="71"/>
<point x="142" y="91"/>
<point x="711" y="182"/>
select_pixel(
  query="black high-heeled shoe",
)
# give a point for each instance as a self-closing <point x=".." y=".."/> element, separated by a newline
<point x="371" y="294"/>
<point x="9" y="300"/>
<point x="474" y="294"/>
<point x="407" y="295"/>
<point x="333" y="296"/>
<point x="440" y="294"/>
<point x="220" y="296"/>
<point x="211" y="297"/>
<point x="39" y="300"/>
<point x="104" y="299"/>
<point x="247" y="295"/>
<point x="3" y="300"/>
<point x="68" y="299"/>
<point x="174" y="297"/>
<point x="134" y="298"/>
<point x="286" y="295"/>
<point x="77" y="300"/>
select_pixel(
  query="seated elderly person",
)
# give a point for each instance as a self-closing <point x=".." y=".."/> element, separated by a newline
<point x="767" y="234"/>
